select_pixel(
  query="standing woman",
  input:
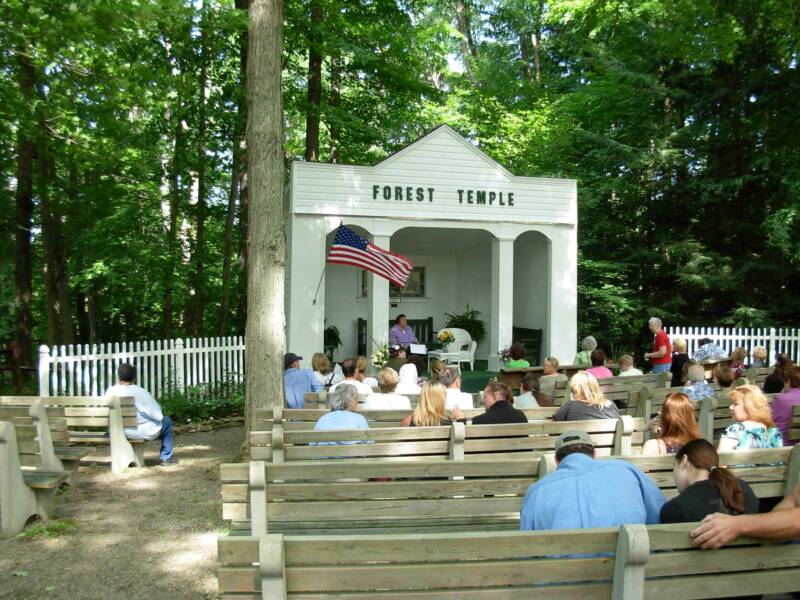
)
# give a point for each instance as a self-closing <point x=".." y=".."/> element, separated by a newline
<point x="678" y="426"/>
<point x="753" y="426"/>
<point x="588" y="401"/>
<point x="705" y="487"/>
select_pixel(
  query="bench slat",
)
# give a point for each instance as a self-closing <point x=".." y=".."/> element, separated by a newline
<point x="44" y="480"/>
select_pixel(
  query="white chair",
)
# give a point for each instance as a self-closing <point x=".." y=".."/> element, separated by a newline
<point x="460" y="350"/>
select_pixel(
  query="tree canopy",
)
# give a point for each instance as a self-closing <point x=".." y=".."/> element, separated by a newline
<point x="122" y="160"/>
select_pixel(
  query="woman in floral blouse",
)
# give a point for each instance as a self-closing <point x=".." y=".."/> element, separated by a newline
<point x="753" y="426"/>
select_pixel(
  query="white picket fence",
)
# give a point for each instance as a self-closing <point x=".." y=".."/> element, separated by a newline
<point x="775" y="340"/>
<point x="161" y="365"/>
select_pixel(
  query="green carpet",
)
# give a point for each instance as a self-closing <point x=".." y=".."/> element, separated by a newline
<point x="475" y="381"/>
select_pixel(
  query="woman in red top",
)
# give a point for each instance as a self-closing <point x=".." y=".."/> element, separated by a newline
<point x="660" y="357"/>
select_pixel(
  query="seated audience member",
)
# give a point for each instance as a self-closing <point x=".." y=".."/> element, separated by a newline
<point x="753" y="426"/>
<point x="724" y="377"/>
<point x="497" y="400"/>
<point x="626" y="368"/>
<point x="782" y="523"/>
<point x="678" y="425"/>
<point x="517" y="354"/>
<point x="342" y="415"/>
<point x="529" y="392"/>
<point x="783" y="404"/>
<point x="584" y="492"/>
<point x="759" y="358"/>
<point x="401" y="333"/>
<point x="587" y="401"/>
<point x="387" y="399"/>
<point x="698" y="389"/>
<point x="708" y="350"/>
<point x="349" y="371"/>
<point x="436" y="368"/>
<point x="151" y="422"/>
<point x="408" y="380"/>
<point x="397" y="358"/>
<point x="547" y="382"/>
<point x="704" y="487"/>
<point x="774" y="383"/>
<point x="297" y="382"/>
<point x="598" y="368"/>
<point x="323" y="371"/>
<point x="430" y="412"/>
<point x="362" y="364"/>
<point x="419" y="364"/>
<point x="451" y="379"/>
<point x="679" y="359"/>
<point x="584" y="357"/>
<point x="737" y="362"/>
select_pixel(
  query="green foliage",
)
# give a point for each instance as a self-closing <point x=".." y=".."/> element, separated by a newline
<point x="50" y="530"/>
<point x="470" y="321"/>
<point x="204" y="402"/>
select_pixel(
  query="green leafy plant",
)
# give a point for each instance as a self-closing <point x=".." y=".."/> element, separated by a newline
<point x="204" y="402"/>
<point x="51" y="529"/>
<point x="469" y="321"/>
<point x="331" y="340"/>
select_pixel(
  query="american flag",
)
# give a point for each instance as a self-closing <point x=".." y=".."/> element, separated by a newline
<point x="349" y="248"/>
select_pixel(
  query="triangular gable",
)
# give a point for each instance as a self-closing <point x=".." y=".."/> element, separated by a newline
<point x="442" y="138"/>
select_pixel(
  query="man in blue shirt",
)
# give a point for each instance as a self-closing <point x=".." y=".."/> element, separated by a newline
<point x="296" y="381"/>
<point x="584" y="492"/>
<point x="708" y="350"/>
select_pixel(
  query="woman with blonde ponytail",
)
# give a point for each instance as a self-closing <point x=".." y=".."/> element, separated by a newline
<point x="705" y="487"/>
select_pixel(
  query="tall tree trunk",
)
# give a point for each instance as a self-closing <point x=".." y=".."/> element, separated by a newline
<point x="523" y="50"/>
<point x="227" y="251"/>
<point x="172" y="231"/>
<point x="244" y="192"/>
<point x="467" y="49"/>
<point x="198" y="254"/>
<point x="23" y="270"/>
<point x="335" y="103"/>
<point x="265" y="336"/>
<point x="537" y="67"/>
<point x="314" y="82"/>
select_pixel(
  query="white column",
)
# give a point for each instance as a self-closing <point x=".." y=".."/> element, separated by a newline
<point x="502" y="317"/>
<point x="563" y="313"/>
<point x="306" y="263"/>
<point x="378" y="303"/>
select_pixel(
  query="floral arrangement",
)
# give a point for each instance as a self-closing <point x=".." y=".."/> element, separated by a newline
<point x="380" y="356"/>
<point x="445" y="338"/>
<point x="504" y="354"/>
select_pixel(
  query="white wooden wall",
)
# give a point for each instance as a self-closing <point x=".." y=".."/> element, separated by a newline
<point x="775" y="340"/>
<point x="161" y="365"/>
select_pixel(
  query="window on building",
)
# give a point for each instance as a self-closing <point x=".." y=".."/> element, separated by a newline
<point x="415" y="288"/>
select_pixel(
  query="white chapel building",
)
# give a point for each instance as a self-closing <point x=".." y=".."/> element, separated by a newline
<point x="477" y="235"/>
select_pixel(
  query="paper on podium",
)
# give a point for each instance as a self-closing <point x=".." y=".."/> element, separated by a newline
<point x="418" y="349"/>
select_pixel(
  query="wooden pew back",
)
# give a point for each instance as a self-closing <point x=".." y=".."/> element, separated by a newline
<point x="35" y="446"/>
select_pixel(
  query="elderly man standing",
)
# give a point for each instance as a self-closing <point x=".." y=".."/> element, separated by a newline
<point x="660" y="357"/>
<point x="401" y="334"/>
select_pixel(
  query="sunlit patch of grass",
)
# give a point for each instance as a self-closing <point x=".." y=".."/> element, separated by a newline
<point x="50" y="530"/>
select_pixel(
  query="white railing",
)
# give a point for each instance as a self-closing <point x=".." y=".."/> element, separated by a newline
<point x="161" y="365"/>
<point x="775" y="340"/>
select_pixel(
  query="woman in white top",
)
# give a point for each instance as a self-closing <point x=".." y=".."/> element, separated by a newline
<point x="323" y="372"/>
<point x="362" y="364"/>
<point x="387" y="399"/>
<point x="408" y="380"/>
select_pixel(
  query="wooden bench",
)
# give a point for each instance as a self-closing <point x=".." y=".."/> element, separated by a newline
<point x="318" y="399"/>
<point x="95" y="421"/>
<point x="25" y="493"/>
<point x="51" y="453"/>
<point x="794" y="431"/>
<point x="630" y="562"/>
<point x="757" y="375"/>
<point x="347" y="496"/>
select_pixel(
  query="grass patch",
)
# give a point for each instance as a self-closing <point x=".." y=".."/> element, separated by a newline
<point x="50" y="530"/>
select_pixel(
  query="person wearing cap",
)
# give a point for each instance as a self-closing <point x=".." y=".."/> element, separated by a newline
<point x="584" y="492"/>
<point x="397" y="358"/>
<point x="297" y="382"/>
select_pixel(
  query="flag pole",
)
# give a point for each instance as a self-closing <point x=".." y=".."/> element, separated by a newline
<point x="325" y="268"/>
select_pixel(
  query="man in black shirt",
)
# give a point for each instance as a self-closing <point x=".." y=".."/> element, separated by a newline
<point x="497" y="398"/>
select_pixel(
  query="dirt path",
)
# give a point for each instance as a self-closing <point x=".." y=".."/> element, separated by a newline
<point x="149" y="533"/>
